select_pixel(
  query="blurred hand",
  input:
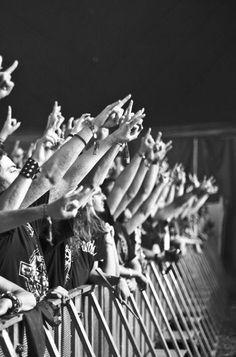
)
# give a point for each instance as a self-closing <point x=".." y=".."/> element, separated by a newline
<point x="10" y="125"/>
<point x="129" y="128"/>
<point x="101" y="118"/>
<point x="6" y="84"/>
<point x="67" y="206"/>
<point x="147" y="142"/>
<point x="57" y="293"/>
<point x="75" y="125"/>
<point x="142" y="281"/>
<point x="5" y="305"/>
<point x="40" y="153"/>
<point x="123" y="289"/>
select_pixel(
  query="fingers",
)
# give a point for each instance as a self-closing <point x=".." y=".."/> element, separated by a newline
<point x="124" y="100"/>
<point x="128" y="111"/>
<point x="158" y="138"/>
<point x="58" y="292"/>
<point x="9" y="113"/>
<point x="12" y="67"/>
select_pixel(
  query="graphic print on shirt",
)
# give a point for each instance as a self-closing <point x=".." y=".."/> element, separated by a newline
<point x="68" y="260"/>
<point x="88" y="247"/>
<point x="35" y="274"/>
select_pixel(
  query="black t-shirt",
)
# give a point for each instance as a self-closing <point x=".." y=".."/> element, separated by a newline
<point x="67" y="267"/>
<point x="125" y="245"/>
<point x="21" y="258"/>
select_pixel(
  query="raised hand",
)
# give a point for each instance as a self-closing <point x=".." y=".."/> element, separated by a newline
<point x="101" y="118"/>
<point x="147" y="142"/>
<point x="67" y="206"/>
<point x="6" y="84"/>
<point x="10" y="125"/>
<point x="54" y="123"/>
<point x="76" y="125"/>
<point x="40" y="151"/>
<point x="129" y="128"/>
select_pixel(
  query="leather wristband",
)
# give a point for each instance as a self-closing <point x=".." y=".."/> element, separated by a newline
<point x="30" y="169"/>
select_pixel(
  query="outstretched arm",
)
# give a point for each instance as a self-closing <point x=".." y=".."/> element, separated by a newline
<point x="128" y="130"/>
<point x="127" y="176"/>
<point x="145" y="209"/>
<point x="64" y="208"/>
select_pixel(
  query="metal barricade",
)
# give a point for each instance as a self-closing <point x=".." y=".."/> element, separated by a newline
<point x="178" y="315"/>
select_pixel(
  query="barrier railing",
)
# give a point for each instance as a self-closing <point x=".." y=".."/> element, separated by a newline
<point x="178" y="315"/>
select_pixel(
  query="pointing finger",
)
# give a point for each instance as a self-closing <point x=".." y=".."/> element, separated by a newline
<point x="124" y="100"/>
<point x="9" y="113"/>
<point x="12" y="67"/>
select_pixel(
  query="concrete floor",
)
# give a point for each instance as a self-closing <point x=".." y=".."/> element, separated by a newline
<point x="227" y="341"/>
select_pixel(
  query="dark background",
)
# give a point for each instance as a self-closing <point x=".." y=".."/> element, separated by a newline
<point x="176" y="57"/>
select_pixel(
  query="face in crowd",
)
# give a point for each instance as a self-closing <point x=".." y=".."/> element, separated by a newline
<point x="8" y="171"/>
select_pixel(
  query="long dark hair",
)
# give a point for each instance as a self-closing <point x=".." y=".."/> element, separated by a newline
<point x="86" y="226"/>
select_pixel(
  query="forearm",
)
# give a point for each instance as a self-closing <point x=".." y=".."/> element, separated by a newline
<point x="146" y="188"/>
<point x="56" y="166"/>
<point x="110" y="265"/>
<point x="200" y="202"/>
<point x="98" y="174"/>
<point x="82" y="166"/>
<point x="16" y="218"/>
<point x="123" y="182"/>
<point x="27" y="299"/>
<point x="171" y="194"/>
<point x="132" y="190"/>
<point x="13" y="196"/>
<point x="144" y="210"/>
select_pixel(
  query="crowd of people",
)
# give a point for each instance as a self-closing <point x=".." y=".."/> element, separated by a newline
<point x="75" y="208"/>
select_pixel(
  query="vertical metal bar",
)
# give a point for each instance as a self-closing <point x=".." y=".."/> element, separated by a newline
<point x="100" y="316"/>
<point x="149" y="307"/>
<point x="7" y="345"/>
<point x="183" y="300"/>
<point x="179" y="310"/>
<point x="50" y="343"/>
<point x="201" y="308"/>
<point x="173" y="314"/>
<point x="206" y="339"/>
<point x="195" y="155"/>
<point x="80" y="328"/>
<point x="164" y="317"/>
<point x="127" y="327"/>
<point x="142" y="326"/>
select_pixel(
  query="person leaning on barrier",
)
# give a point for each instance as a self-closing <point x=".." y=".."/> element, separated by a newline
<point x="14" y="299"/>
<point x="128" y="130"/>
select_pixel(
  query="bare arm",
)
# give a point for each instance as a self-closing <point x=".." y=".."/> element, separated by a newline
<point x="132" y="190"/>
<point x="56" y="166"/>
<point x="98" y="174"/>
<point x="146" y="188"/>
<point x="145" y="209"/>
<point x="85" y="162"/>
<point x="64" y="208"/>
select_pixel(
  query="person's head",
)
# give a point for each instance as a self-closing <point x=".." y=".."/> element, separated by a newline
<point x="8" y="171"/>
<point x="18" y="157"/>
<point x="98" y="199"/>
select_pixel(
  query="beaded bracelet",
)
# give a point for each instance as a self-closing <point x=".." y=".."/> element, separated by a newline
<point x="30" y="169"/>
<point x="2" y="144"/>
<point x="16" y="303"/>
